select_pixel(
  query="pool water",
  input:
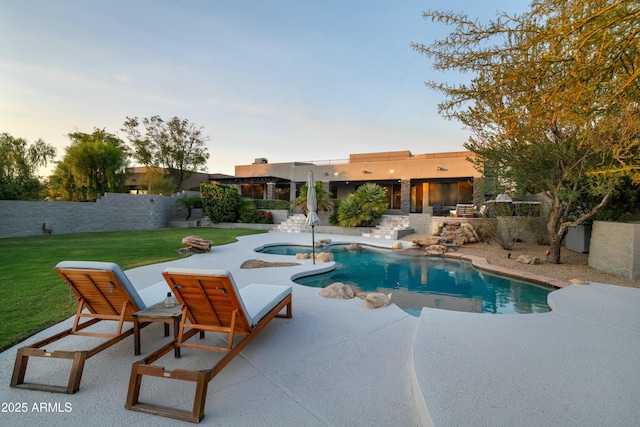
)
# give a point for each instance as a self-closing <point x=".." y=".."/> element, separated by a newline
<point x="421" y="281"/>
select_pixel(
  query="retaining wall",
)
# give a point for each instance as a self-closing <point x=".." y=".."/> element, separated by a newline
<point x="112" y="212"/>
<point x="615" y="248"/>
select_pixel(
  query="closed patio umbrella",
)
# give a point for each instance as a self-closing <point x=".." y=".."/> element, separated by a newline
<point x="312" y="214"/>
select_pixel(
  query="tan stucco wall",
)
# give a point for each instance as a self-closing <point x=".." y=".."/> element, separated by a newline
<point x="615" y="248"/>
<point x="371" y="167"/>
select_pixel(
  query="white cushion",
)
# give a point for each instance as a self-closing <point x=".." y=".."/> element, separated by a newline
<point x="109" y="266"/>
<point x="256" y="299"/>
<point x="260" y="299"/>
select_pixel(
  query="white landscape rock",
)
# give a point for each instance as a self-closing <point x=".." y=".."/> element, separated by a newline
<point x="337" y="290"/>
<point x="528" y="259"/>
<point x="377" y="300"/>
<point x="324" y="256"/>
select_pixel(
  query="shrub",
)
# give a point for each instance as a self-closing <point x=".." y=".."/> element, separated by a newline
<point x="265" y="217"/>
<point x="189" y="202"/>
<point x="220" y="202"/>
<point x="367" y="205"/>
<point x="248" y="213"/>
<point x="272" y="204"/>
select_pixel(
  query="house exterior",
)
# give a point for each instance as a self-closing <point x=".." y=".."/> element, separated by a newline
<point x="136" y="182"/>
<point x="421" y="183"/>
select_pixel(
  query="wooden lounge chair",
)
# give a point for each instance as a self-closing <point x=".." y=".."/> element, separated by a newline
<point x="104" y="293"/>
<point x="211" y="302"/>
<point x="462" y="211"/>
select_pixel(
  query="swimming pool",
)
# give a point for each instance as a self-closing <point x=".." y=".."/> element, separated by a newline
<point x="422" y="281"/>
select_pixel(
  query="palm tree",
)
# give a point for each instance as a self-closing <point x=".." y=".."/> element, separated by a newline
<point x="322" y="197"/>
<point x="367" y="205"/>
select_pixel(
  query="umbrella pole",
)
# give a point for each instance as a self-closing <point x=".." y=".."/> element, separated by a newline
<point x="313" y="244"/>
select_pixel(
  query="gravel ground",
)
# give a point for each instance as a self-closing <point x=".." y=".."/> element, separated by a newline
<point x="572" y="265"/>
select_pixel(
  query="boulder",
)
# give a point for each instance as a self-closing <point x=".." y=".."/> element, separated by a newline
<point x="471" y="236"/>
<point x="354" y="247"/>
<point x="325" y="241"/>
<point x="396" y="245"/>
<point x="198" y="243"/>
<point x="376" y="300"/>
<point x="324" y="256"/>
<point x="578" y="282"/>
<point x="427" y="241"/>
<point x="303" y="256"/>
<point x="436" y="249"/>
<point x="528" y="259"/>
<point x="337" y="290"/>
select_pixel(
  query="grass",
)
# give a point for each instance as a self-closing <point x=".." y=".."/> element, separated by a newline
<point x="35" y="298"/>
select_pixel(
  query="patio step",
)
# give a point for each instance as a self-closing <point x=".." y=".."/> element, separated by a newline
<point x="296" y="223"/>
<point x="391" y="227"/>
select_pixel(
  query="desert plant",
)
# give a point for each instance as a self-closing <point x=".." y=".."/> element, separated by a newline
<point x="367" y="205"/>
<point x="189" y="202"/>
<point x="322" y="197"/>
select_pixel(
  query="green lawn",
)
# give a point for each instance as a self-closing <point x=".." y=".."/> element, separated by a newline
<point x="34" y="297"/>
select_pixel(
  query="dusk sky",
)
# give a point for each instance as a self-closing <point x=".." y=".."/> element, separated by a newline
<point x="289" y="80"/>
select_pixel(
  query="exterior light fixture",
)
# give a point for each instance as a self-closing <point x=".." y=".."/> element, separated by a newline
<point x="440" y="168"/>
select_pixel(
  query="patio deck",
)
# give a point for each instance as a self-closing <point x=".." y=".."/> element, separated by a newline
<point x="336" y="363"/>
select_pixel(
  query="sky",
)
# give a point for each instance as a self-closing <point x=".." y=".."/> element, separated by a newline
<point x="287" y="80"/>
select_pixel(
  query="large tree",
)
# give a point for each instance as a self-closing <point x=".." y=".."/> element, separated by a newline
<point x="552" y="102"/>
<point x="19" y="162"/>
<point x="94" y="163"/>
<point x="177" y="145"/>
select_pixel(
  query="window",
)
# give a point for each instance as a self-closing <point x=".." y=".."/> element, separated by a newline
<point x="450" y="193"/>
<point x="393" y="195"/>
<point x="416" y="197"/>
<point x="282" y="192"/>
<point x="252" y="191"/>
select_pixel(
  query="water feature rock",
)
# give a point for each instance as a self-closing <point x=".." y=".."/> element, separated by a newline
<point x="337" y="290"/>
<point x="376" y="300"/>
<point x="427" y="241"/>
<point x="436" y="249"/>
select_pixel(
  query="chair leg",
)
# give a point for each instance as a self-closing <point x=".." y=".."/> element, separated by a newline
<point x="22" y="360"/>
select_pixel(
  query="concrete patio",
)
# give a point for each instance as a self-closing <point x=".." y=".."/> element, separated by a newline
<point x="336" y="363"/>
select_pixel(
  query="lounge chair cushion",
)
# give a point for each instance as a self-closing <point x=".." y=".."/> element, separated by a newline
<point x="259" y="299"/>
<point x="256" y="300"/>
<point x="109" y="266"/>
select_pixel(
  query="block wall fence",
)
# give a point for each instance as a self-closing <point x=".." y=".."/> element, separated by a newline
<point x="111" y="212"/>
<point x="615" y="248"/>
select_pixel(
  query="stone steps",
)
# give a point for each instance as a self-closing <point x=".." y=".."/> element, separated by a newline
<point x="391" y="227"/>
<point x="293" y="224"/>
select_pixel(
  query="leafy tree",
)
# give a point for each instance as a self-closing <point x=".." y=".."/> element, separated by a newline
<point x="177" y="145"/>
<point x="368" y="204"/>
<point x="220" y="202"/>
<point x="323" y="199"/>
<point x="553" y="100"/>
<point x="93" y="164"/>
<point x="19" y="162"/>
<point x="158" y="181"/>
